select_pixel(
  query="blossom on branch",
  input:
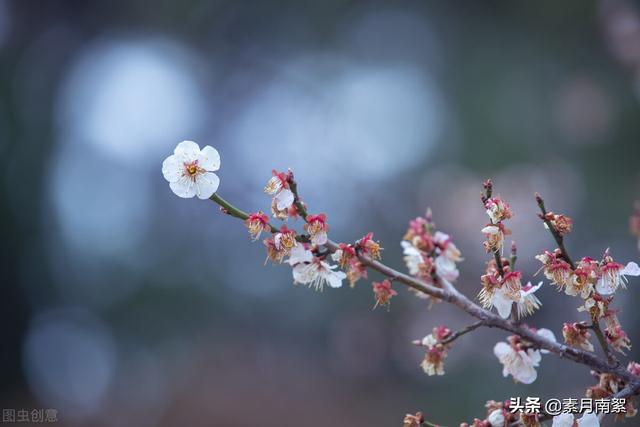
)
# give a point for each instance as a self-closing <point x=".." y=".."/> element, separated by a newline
<point x="562" y="224"/>
<point x="497" y="209"/>
<point x="555" y="269"/>
<point x="411" y="420"/>
<point x="577" y="334"/>
<point x="280" y="244"/>
<point x="433" y="363"/>
<point x="189" y="170"/>
<point x="369" y="247"/>
<point x="383" y="293"/>
<point x="614" y="275"/>
<point x="317" y="228"/>
<point x="519" y="358"/>
<point x="256" y="223"/>
<point x="278" y="186"/>
<point x="313" y="271"/>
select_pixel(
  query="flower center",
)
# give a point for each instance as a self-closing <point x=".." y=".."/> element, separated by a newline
<point x="192" y="170"/>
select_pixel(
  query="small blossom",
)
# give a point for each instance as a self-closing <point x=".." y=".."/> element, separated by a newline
<point x="596" y="305"/>
<point x="614" y="275"/>
<point x="383" y="292"/>
<point x="344" y="255"/>
<point x="616" y="336"/>
<point x="413" y="258"/>
<point x="433" y="362"/>
<point x="583" y="279"/>
<point x="495" y="237"/>
<point x="356" y="271"/>
<point x="557" y="270"/>
<point x="577" y="334"/>
<point x="634" y="368"/>
<point x="299" y="254"/>
<point x="565" y="419"/>
<point x="413" y="420"/>
<point x="278" y="186"/>
<point x="445" y="268"/>
<point x="189" y="170"/>
<point x="519" y="359"/>
<point x="561" y="223"/>
<point x="446" y="247"/>
<point x="317" y="228"/>
<point x="256" y="224"/>
<point x="369" y="246"/>
<point x="496" y="418"/>
<point x="285" y="239"/>
<point x="317" y="273"/>
<point x="274" y="253"/>
<point x="497" y="209"/>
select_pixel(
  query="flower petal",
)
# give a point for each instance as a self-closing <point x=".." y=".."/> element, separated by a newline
<point x="172" y="168"/>
<point x="631" y="269"/>
<point x="589" y="419"/>
<point x="565" y="419"/>
<point x="502" y="304"/>
<point x="548" y="334"/>
<point x="184" y="188"/>
<point x="335" y="278"/>
<point x="284" y="199"/>
<point x="299" y="254"/>
<point x="188" y="150"/>
<point x="502" y="350"/>
<point x="603" y="287"/>
<point x="209" y="159"/>
<point x="206" y="185"/>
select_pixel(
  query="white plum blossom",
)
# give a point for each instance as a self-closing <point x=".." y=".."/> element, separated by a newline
<point x="525" y="299"/>
<point x="299" y="254"/>
<point x="519" y="361"/>
<point x="189" y="170"/>
<point x="412" y="257"/>
<point x="312" y="271"/>
<point x="446" y="268"/>
<point x="278" y="187"/>
<point x="614" y="275"/>
<point x="588" y="419"/>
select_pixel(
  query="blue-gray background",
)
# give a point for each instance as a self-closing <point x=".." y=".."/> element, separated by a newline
<point x="124" y="305"/>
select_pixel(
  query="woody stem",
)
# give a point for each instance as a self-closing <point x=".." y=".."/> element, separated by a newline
<point x="457" y="334"/>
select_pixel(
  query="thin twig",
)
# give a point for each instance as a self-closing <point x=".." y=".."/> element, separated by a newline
<point x="457" y="334"/>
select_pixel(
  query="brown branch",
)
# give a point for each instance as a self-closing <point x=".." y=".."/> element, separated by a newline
<point x="457" y="334"/>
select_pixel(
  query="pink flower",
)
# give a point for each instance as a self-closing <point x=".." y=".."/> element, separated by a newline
<point x="317" y="228"/>
<point x="256" y="224"/>
<point x="383" y="292"/>
<point x="278" y="186"/>
<point x="497" y="209"/>
<point x="613" y="275"/>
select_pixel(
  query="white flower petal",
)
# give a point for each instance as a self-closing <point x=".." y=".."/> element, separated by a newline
<point x="548" y="334"/>
<point x="335" y="278"/>
<point x="603" y="287"/>
<point x="502" y="304"/>
<point x="565" y="419"/>
<point x="172" y="168"/>
<point x="496" y="418"/>
<point x="304" y="273"/>
<point x="284" y="199"/>
<point x="184" y="188"/>
<point x="502" y="350"/>
<point x="589" y="419"/>
<point x="299" y="254"/>
<point x="209" y="159"/>
<point x="188" y="150"/>
<point x="206" y="185"/>
<point x="631" y="269"/>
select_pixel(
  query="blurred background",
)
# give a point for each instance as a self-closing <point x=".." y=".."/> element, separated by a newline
<point x="125" y="305"/>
